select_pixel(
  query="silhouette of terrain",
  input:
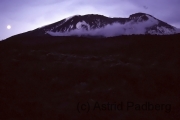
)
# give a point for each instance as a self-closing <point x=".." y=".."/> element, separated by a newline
<point x="46" y="77"/>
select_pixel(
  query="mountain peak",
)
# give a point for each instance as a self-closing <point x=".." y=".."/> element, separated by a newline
<point x="143" y="16"/>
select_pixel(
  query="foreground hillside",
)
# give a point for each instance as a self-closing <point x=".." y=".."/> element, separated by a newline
<point x="46" y="77"/>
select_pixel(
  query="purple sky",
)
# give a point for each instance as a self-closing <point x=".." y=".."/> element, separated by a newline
<point x="25" y="15"/>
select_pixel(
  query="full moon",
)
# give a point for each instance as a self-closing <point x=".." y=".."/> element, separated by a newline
<point x="8" y="27"/>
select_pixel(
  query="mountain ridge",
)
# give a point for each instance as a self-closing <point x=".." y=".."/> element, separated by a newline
<point x="100" y="25"/>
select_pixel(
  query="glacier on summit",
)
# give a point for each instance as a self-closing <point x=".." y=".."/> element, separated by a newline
<point x="114" y="29"/>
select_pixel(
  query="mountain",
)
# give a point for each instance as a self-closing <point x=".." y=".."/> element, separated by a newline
<point x="99" y="25"/>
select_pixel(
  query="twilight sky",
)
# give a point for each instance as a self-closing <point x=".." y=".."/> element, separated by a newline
<point x="25" y="15"/>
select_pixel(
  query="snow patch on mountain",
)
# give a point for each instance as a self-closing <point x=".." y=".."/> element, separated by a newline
<point x="71" y="26"/>
<point x="83" y="25"/>
<point x="162" y="31"/>
<point x="165" y="30"/>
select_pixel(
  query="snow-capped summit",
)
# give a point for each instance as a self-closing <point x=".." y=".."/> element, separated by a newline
<point x="99" y="25"/>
